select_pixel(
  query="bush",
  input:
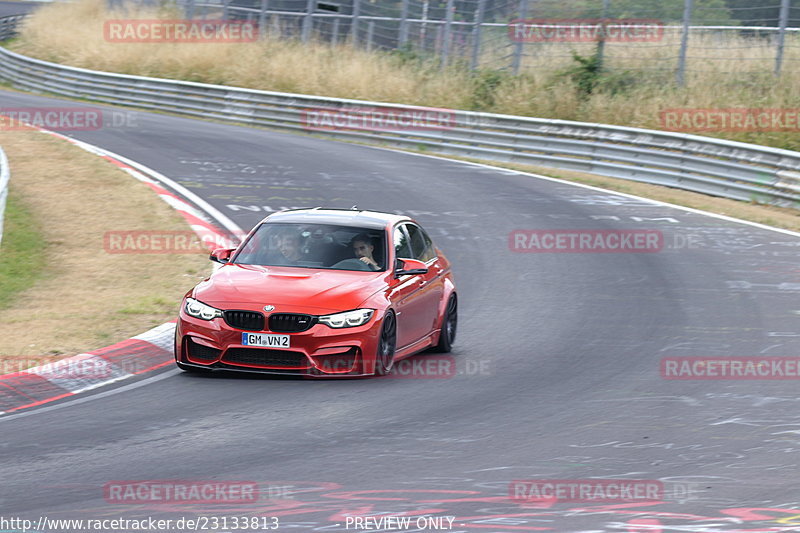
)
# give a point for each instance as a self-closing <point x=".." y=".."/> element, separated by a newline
<point x="485" y="83"/>
<point x="589" y="77"/>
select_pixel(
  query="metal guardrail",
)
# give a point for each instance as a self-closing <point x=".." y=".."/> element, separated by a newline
<point x="5" y="175"/>
<point x="8" y="26"/>
<point x="712" y="166"/>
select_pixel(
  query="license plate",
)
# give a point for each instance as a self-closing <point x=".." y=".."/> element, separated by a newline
<point x="266" y="340"/>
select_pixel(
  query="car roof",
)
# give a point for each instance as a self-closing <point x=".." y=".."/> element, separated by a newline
<point x="339" y="217"/>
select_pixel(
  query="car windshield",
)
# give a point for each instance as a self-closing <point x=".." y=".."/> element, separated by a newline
<point x="314" y="246"/>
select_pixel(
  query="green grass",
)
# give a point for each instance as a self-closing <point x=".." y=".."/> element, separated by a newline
<point x="22" y="251"/>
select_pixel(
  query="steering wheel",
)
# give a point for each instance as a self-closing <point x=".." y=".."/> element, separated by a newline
<point x="352" y="264"/>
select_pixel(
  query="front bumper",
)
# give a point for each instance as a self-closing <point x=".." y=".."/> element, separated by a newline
<point x="320" y="351"/>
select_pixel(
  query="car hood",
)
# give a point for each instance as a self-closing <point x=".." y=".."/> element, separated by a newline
<point x="296" y="290"/>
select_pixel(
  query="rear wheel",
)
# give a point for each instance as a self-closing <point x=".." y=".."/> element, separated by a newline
<point x="384" y="359"/>
<point x="448" y="335"/>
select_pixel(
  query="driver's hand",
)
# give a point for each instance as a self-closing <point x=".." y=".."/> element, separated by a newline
<point x="368" y="261"/>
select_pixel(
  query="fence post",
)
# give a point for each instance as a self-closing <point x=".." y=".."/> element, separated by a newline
<point x="424" y="27"/>
<point x="448" y="32"/>
<point x="403" y="38"/>
<point x="784" y="21"/>
<point x="308" y="20"/>
<point x="275" y="22"/>
<point x="335" y="36"/>
<point x="190" y="9"/>
<point x="354" y="24"/>
<point x="370" y="33"/>
<point x="680" y="76"/>
<point x="476" y="34"/>
<point x="225" y="9"/>
<point x="516" y="60"/>
<point x="262" y="19"/>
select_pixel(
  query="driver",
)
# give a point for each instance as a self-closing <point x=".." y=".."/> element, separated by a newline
<point x="289" y="246"/>
<point x="363" y="248"/>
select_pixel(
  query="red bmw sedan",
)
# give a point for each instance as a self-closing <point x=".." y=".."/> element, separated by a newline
<point x="320" y="292"/>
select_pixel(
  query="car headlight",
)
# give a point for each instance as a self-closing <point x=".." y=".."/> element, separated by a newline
<point x="348" y="319"/>
<point x="200" y="310"/>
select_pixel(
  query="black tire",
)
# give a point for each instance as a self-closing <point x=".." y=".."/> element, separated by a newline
<point x="449" y="324"/>
<point x="192" y="369"/>
<point x="384" y="359"/>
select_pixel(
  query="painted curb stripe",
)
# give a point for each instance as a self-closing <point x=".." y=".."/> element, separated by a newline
<point x="21" y="390"/>
<point x="138" y="355"/>
<point x="66" y="377"/>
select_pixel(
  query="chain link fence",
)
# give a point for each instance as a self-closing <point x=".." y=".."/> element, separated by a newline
<point x="691" y="37"/>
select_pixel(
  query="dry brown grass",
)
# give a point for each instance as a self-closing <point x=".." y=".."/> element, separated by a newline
<point x="727" y="71"/>
<point x="72" y="33"/>
<point x="88" y="298"/>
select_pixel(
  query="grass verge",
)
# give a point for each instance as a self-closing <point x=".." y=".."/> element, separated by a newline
<point x="81" y="297"/>
<point x="21" y="251"/>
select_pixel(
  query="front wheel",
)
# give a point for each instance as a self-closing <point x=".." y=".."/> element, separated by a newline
<point x="448" y="334"/>
<point x="384" y="359"/>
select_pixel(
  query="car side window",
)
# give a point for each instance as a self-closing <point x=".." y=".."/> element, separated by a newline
<point x="401" y="248"/>
<point x="421" y="245"/>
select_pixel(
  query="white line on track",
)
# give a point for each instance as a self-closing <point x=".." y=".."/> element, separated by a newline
<point x="236" y="230"/>
<point x="212" y="211"/>
<point x="118" y="390"/>
<point x="594" y="188"/>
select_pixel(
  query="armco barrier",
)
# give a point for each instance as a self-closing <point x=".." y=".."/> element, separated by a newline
<point x="8" y="26"/>
<point x="5" y="175"/>
<point x="712" y="166"/>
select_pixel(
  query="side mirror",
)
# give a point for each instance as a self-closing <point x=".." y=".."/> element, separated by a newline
<point x="221" y="255"/>
<point x="409" y="267"/>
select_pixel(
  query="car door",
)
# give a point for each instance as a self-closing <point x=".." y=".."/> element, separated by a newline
<point x="406" y="294"/>
<point x="432" y="283"/>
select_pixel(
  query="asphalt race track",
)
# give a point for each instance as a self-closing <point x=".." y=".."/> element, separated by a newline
<point x="16" y="8"/>
<point x="557" y="357"/>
